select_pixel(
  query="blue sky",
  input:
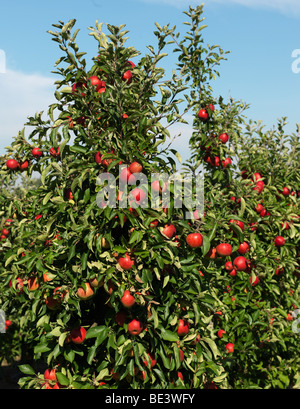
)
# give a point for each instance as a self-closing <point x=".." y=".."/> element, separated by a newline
<point x="261" y="35"/>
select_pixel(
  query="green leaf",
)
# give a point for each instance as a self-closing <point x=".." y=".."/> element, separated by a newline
<point x="206" y="245"/>
<point x="26" y="369"/>
<point x="168" y="335"/>
<point x="99" y="332"/>
<point x="62" y="379"/>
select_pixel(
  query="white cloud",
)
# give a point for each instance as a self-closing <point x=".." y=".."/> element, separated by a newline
<point x="21" y="95"/>
<point x="288" y="7"/>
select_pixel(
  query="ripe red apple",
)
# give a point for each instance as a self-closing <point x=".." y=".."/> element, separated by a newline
<point x="135" y="167"/>
<point x="255" y="282"/>
<point x="155" y="186"/>
<point x="125" y="175"/>
<point x="221" y="332"/>
<point x="23" y="165"/>
<point x="76" y="86"/>
<point x="183" y="327"/>
<point x="54" y="153"/>
<point x="98" y="158"/>
<point x="215" y="161"/>
<point x="152" y="360"/>
<point x="126" y="262"/>
<point x="259" y="208"/>
<point x="238" y="223"/>
<point x="50" y="375"/>
<point x="230" y="347"/>
<point x="240" y="263"/>
<point x="33" y="284"/>
<point x="279" y="241"/>
<point x="127" y="76"/>
<point x="226" y="162"/>
<point x="203" y="114"/>
<point x="68" y="194"/>
<point x="77" y="335"/>
<point x="127" y="300"/>
<point x="169" y="230"/>
<point x="135" y="327"/>
<point x="18" y="286"/>
<point x="228" y="266"/>
<point x="5" y="232"/>
<point x="285" y="191"/>
<point x="36" y="152"/>
<point x="194" y="240"/>
<point x="12" y="164"/>
<point x="153" y="224"/>
<point x="8" y="222"/>
<point x="257" y="176"/>
<point x="224" y="249"/>
<point x="224" y="137"/>
<point x="243" y="248"/>
<point x="259" y="186"/>
<point x="86" y="292"/>
<point x="138" y="195"/>
<point x="95" y="82"/>
<point x="121" y="317"/>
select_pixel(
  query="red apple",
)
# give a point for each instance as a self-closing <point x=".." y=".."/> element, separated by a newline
<point x="169" y="230"/>
<point x="135" y="167"/>
<point x="203" y="114"/>
<point x="226" y="162"/>
<point x="98" y="158"/>
<point x="243" y="248"/>
<point x="240" y="263"/>
<point x="33" y="284"/>
<point x="127" y="300"/>
<point x="228" y="266"/>
<point x="259" y="208"/>
<point x="8" y="222"/>
<point x="126" y="262"/>
<point x="285" y="191"/>
<point x="5" y="232"/>
<point x="50" y="374"/>
<point x="23" y="165"/>
<point x="152" y="360"/>
<point x="12" y="164"/>
<point x="125" y="175"/>
<point x="36" y="152"/>
<point x="76" y="86"/>
<point x="138" y="195"/>
<point x="224" y="137"/>
<point x="183" y="327"/>
<point x="221" y="332"/>
<point x="194" y="240"/>
<point x="230" y="347"/>
<point x="135" y="327"/>
<point x="238" y="223"/>
<point x="279" y="241"/>
<point x="54" y="153"/>
<point x="255" y="282"/>
<point x="121" y="318"/>
<point x="77" y="335"/>
<point x="86" y="292"/>
<point x="224" y="249"/>
<point x="127" y="76"/>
